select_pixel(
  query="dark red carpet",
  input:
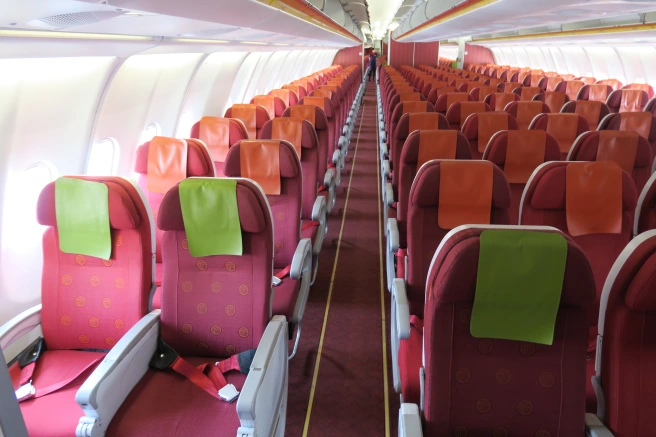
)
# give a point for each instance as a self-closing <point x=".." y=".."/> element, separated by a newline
<point x="349" y="397"/>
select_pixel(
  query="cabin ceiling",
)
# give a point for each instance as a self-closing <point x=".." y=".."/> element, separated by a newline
<point x="490" y="17"/>
<point x="224" y="20"/>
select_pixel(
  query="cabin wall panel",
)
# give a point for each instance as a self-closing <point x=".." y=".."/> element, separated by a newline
<point x="210" y="88"/>
<point x="477" y="55"/>
<point x="426" y="53"/>
<point x="348" y="56"/>
<point x="146" y="89"/>
<point x="48" y="109"/>
<point x="402" y="53"/>
<point x="626" y="63"/>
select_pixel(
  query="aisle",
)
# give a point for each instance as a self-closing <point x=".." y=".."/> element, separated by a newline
<point x="346" y="393"/>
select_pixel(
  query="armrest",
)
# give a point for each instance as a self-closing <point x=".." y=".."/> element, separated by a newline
<point x="393" y="234"/>
<point x="595" y="428"/>
<point x="19" y="326"/>
<point x="329" y="178"/>
<point x="337" y="156"/>
<point x="383" y="150"/>
<point x="303" y="250"/>
<point x="319" y="213"/>
<point x="263" y="399"/>
<point x="387" y="169"/>
<point x="409" y="421"/>
<point x="106" y="388"/>
<point x="400" y="300"/>
<point x="389" y="195"/>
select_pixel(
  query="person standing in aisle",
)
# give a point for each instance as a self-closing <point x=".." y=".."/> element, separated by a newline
<point x="372" y="65"/>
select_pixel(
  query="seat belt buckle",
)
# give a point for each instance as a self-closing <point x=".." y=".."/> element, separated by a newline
<point x="229" y="393"/>
<point x="25" y="392"/>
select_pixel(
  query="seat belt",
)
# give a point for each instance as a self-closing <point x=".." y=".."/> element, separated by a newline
<point x="208" y="377"/>
<point x="310" y="224"/>
<point x="27" y="362"/>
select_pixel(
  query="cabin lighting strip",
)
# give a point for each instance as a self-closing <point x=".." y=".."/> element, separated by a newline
<point x="71" y="35"/>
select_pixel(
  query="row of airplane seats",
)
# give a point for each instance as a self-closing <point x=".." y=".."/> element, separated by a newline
<point x="450" y="183"/>
<point x="192" y="279"/>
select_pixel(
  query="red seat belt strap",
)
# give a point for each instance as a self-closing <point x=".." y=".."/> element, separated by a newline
<point x="231" y="363"/>
<point x="309" y="225"/>
<point x="416" y="322"/>
<point x="196" y="376"/>
<point x="282" y="274"/>
<point x="26" y="378"/>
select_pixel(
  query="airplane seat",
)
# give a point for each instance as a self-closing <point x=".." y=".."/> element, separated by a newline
<point x="510" y="87"/>
<point x="488" y="368"/>
<point x="215" y="312"/>
<point x="342" y="141"/>
<point x="437" y="92"/>
<point x="587" y="80"/>
<point x="480" y="93"/>
<point x="342" y="104"/>
<point x="518" y="153"/>
<point x="570" y="87"/>
<point x="420" y="147"/>
<point x="407" y="108"/>
<point x="480" y="127"/>
<point x="594" y="202"/>
<point x="528" y="93"/>
<point x="253" y="116"/>
<point x="625" y="371"/>
<point x="401" y="98"/>
<point x="334" y="152"/>
<point x="555" y="100"/>
<point x="467" y="87"/>
<point x="444" y="195"/>
<point x="643" y="123"/>
<point x="591" y="110"/>
<point x="498" y="101"/>
<point x="408" y="123"/>
<point x="161" y="163"/>
<point x="493" y="81"/>
<point x="627" y="149"/>
<point x="595" y="92"/>
<point x="567" y="76"/>
<point x="642" y="87"/>
<point x="275" y="166"/>
<point x="298" y="90"/>
<point x="433" y="85"/>
<point x="445" y="101"/>
<point x="317" y="117"/>
<point x="627" y="100"/>
<point x="97" y="280"/>
<point x="536" y="80"/>
<point x="552" y="82"/>
<point x="564" y="127"/>
<point x="525" y="112"/>
<point x="288" y="96"/>
<point x="301" y="134"/>
<point x="275" y="106"/>
<point x="219" y="134"/>
<point x="459" y="111"/>
<point x="613" y="83"/>
<point x="458" y="83"/>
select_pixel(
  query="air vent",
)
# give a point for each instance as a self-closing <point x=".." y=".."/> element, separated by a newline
<point x="74" y="19"/>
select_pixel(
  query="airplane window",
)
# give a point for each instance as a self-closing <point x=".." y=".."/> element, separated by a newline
<point x="184" y="125"/>
<point x="152" y="130"/>
<point x="103" y="158"/>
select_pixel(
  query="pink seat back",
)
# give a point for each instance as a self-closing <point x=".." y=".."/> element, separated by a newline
<point x="587" y="148"/>
<point x="90" y="303"/>
<point x="237" y="133"/>
<point x="480" y="386"/>
<point x="423" y="231"/>
<point x="627" y="324"/>
<point x="544" y="204"/>
<point x="219" y="305"/>
<point x="497" y="152"/>
<point x="480" y="128"/>
<point x="309" y="163"/>
<point x="285" y="207"/>
<point x="199" y="164"/>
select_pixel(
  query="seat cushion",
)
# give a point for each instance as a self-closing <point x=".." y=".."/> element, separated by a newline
<point x="285" y="296"/>
<point x="166" y="404"/>
<point x="410" y="361"/>
<point x="56" y="414"/>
